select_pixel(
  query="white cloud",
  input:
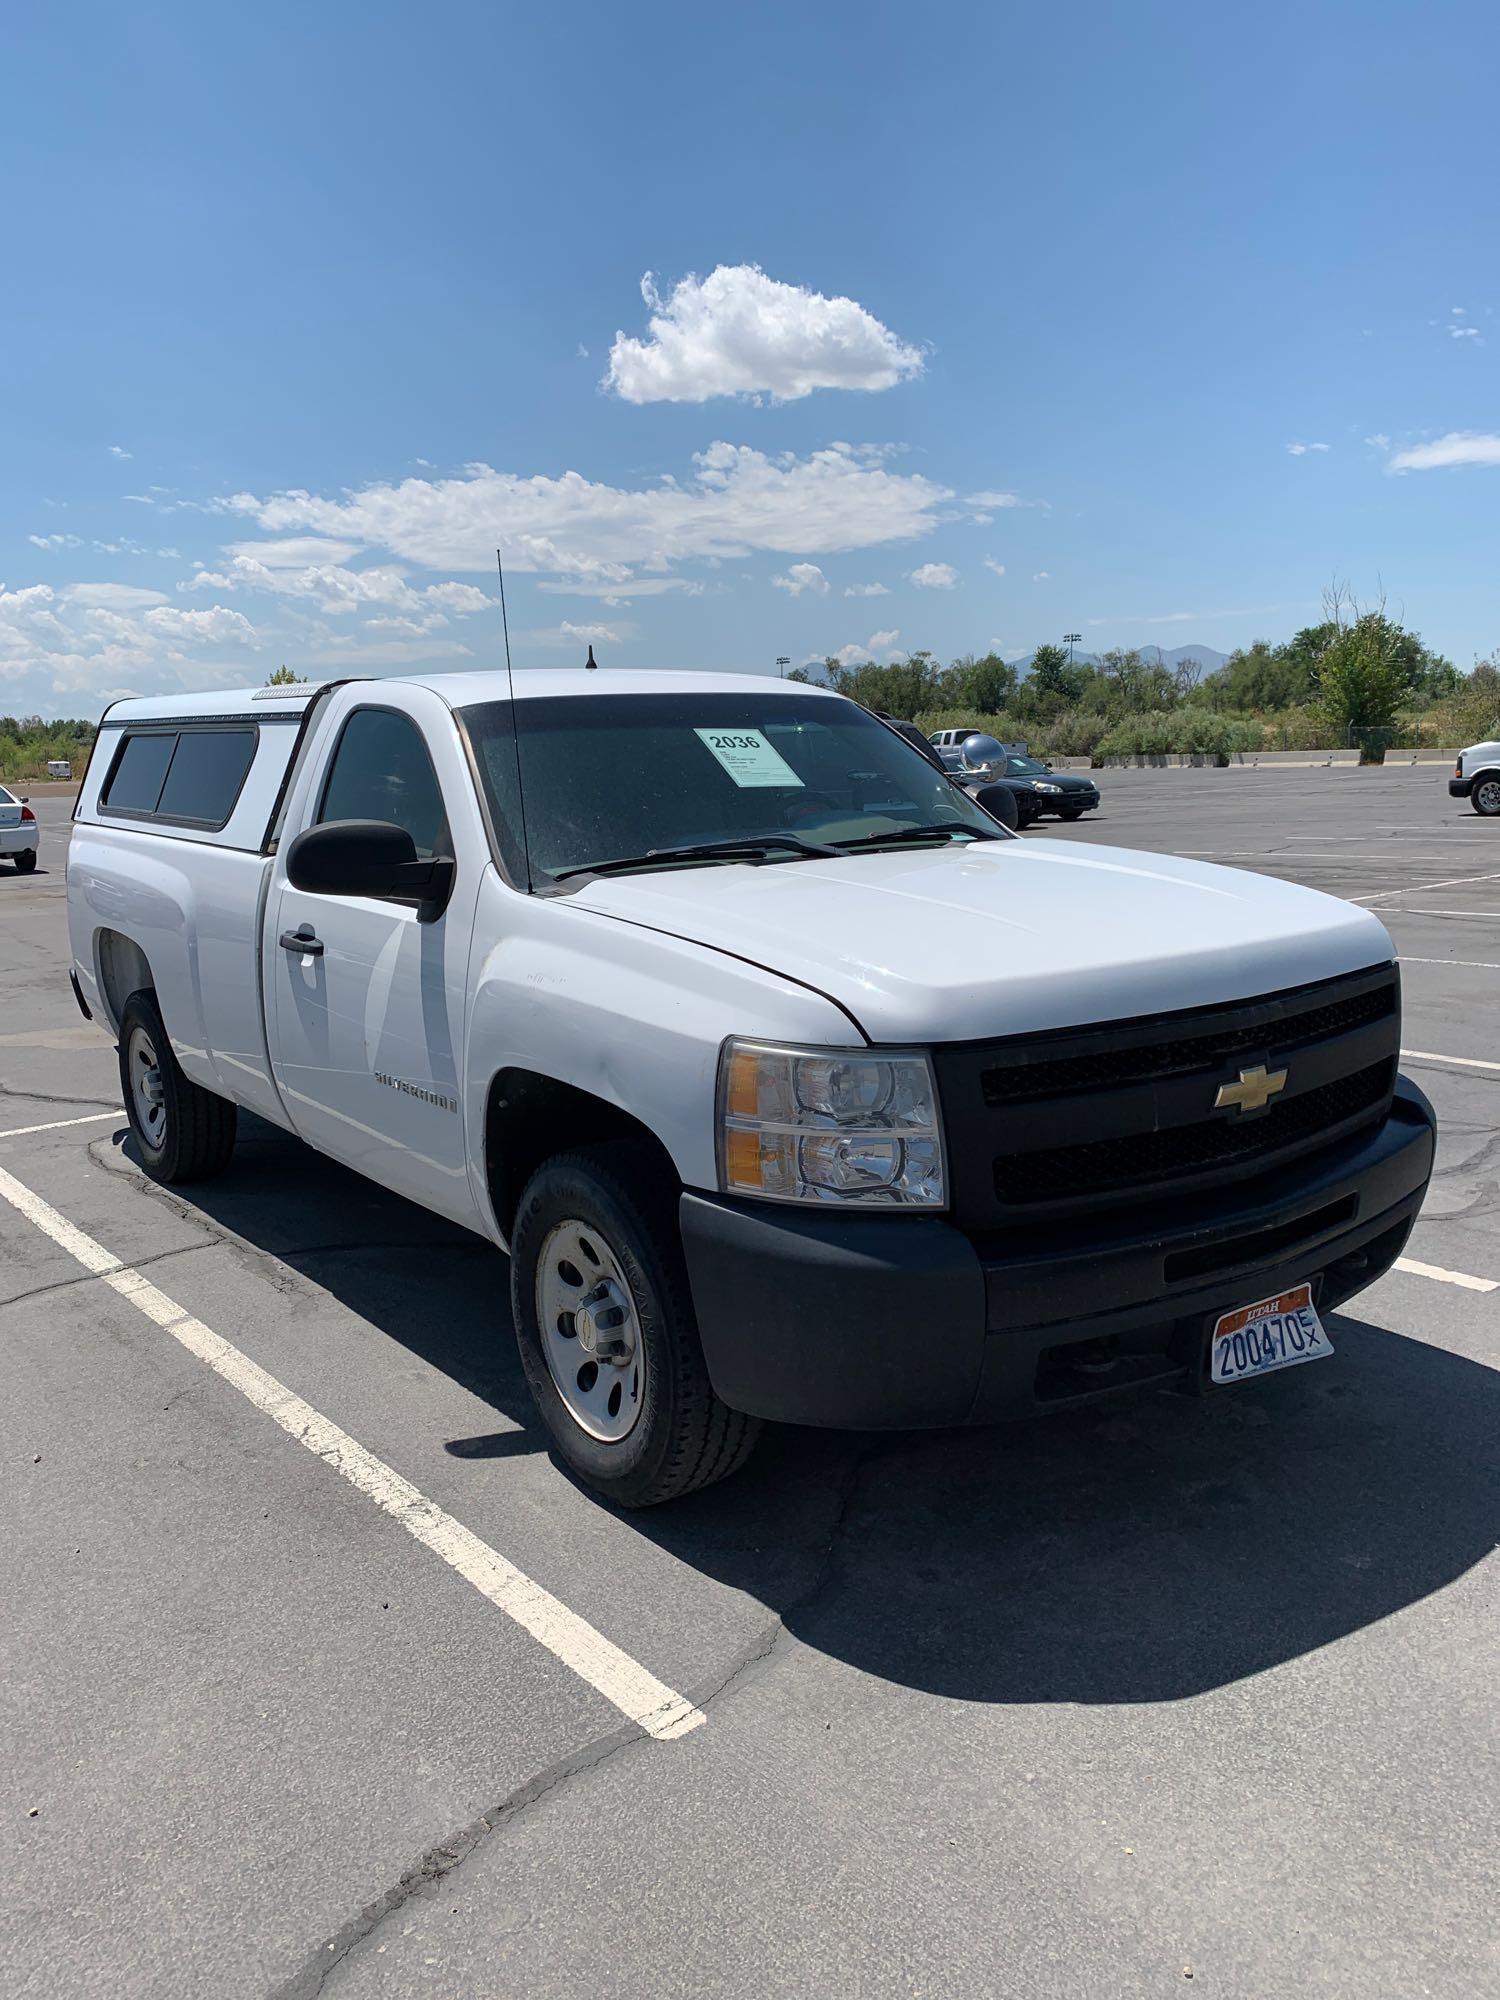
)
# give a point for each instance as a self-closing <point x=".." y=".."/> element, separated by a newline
<point x="866" y="590"/>
<point x="575" y="637"/>
<point x="739" y="333"/>
<point x="935" y="576"/>
<point x="736" y="501"/>
<point x="114" y="596"/>
<point x="800" y="577"/>
<point x="1301" y="450"/>
<point x="216" y="626"/>
<point x="997" y="567"/>
<point x="56" y="541"/>
<point x="1466" y="333"/>
<point x="461" y="598"/>
<point x="994" y="499"/>
<point x="119" y="451"/>
<point x="878" y="645"/>
<point x="1041" y="576"/>
<point x="1379" y="440"/>
<point x="295" y="551"/>
<point x="1456" y="448"/>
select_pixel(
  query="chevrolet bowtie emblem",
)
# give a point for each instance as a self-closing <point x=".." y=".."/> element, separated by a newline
<point x="1253" y="1092"/>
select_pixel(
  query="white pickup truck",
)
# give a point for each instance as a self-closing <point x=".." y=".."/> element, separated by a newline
<point x="796" y="1087"/>
<point x="1476" y="777"/>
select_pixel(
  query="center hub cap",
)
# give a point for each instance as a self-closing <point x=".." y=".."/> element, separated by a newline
<point x="604" y="1324"/>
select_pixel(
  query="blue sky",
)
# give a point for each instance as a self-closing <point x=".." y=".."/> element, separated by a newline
<point x="968" y="326"/>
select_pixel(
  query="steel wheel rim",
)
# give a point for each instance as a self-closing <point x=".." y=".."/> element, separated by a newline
<point x="1489" y="796"/>
<point x="147" y="1094"/>
<point x="590" y="1329"/>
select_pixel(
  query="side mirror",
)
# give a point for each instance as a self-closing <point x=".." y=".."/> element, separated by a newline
<point x="368" y="857"/>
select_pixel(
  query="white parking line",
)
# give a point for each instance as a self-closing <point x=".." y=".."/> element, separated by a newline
<point x="1474" y="964"/>
<point x="1416" y="1270"/>
<point x="57" y="1124"/>
<point x="1419" y="888"/>
<point x="1464" y="1062"/>
<point x="659" y="1710"/>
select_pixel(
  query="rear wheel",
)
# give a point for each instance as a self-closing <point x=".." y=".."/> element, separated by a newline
<point x="184" y="1133"/>
<point x="604" y="1321"/>
<point x="25" y="859"/>
<point x="1485" y="796"/>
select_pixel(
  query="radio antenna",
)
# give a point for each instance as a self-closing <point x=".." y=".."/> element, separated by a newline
<point x="515" y="727"/>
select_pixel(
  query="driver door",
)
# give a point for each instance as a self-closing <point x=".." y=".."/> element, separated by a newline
<point x="368" y="1019"/>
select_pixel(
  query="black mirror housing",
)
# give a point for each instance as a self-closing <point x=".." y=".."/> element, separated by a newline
<point x="368" y="857"/>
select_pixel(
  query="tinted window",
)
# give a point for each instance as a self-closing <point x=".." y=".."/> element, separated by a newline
<point x="609" y="776"/>
<point x="205" y="775"/>
<point x="381" y="770"/>
<point x="135" y="783"/>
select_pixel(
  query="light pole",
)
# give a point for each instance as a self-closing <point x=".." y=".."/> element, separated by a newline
<point x="783" y="661"/>
<point x="1070" y="640"/>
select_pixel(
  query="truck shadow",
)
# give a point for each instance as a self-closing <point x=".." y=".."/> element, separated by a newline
<point x="1145" y="1550"/>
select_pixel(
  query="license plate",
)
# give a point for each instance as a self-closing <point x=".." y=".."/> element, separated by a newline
<point x="1276" y="1333"/>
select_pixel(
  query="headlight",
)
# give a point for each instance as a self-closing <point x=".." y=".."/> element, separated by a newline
<point x="1041" y="785"/>
<point x="829" y="1125"/>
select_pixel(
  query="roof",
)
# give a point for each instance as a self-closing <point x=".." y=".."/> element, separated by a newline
<point x="458" y="690"/>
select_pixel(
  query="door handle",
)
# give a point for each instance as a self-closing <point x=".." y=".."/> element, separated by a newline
<point x="303" y="940"/>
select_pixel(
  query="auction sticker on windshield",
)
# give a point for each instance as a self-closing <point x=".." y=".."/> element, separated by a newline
<point x="748" y="757"/>
<point x="1276" y="1333"/>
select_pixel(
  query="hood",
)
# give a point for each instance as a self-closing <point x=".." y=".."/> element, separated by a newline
<point x="1006" y="937"/>
<point x="1069" y="781"/>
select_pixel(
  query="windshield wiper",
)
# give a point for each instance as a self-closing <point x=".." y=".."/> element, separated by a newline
<point x="755" y="847"/>
<point x="897" y="834"/>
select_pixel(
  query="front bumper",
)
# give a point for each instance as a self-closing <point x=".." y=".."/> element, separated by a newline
<point x="905" y="1322"/>
<point x="1460" y="788"/>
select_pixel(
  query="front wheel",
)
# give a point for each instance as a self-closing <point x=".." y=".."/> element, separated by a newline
<point x="25" y="860"/>
<point x="183" y="1132"/>
<point x="604" y="1321"/>
<point x="1073" y="812"/>
<point x="1485" y="797"/>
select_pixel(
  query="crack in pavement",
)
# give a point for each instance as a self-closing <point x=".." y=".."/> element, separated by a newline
<point x="443" y="1859"/>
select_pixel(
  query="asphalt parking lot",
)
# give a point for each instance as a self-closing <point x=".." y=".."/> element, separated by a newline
<point x="1175" y="1692"/>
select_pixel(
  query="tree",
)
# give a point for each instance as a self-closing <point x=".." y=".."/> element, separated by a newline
<point x="284" y="677"/>
<point x="1365" y="674"/>
<point x="987" y="684"/>
<point x="1054" y="684"/>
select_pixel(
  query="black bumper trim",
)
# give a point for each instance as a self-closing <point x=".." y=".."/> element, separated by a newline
<point x="1460" y="788"/>
<point x="906" y="1322"/>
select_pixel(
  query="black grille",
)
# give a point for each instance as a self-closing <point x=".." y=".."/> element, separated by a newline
<point x="1024" y="1078"/>
<point x="1062" y="1122"/>
<point x="1107" y="1165"/>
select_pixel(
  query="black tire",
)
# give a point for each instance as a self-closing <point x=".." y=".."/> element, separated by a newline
<point x="25" y="860"/>
<point x="683" y="1436"/>
<point x="1485" y="797"/>
<point x="195" y="1133"/>
<point x="1072" y="812"/>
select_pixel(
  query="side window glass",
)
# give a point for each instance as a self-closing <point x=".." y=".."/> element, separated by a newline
<point x="136" y="780"/>
<point x="381" y="770"/>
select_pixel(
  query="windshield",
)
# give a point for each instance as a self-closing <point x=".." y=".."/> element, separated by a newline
<point x="607" y="777"/>
<point x="1024" y="767"/>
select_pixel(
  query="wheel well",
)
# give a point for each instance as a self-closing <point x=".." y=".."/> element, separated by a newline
<point x="123" y="969"/>
<point x="529" y="1118"/>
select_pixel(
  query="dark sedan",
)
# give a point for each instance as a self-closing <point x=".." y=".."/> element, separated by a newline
<point x="1039" y="790"/>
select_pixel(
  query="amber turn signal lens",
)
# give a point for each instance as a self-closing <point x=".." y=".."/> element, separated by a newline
<point x="742" y="1095"/>
<point x="742" y="1158"/>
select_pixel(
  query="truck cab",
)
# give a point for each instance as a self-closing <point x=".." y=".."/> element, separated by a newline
<point x="795" y="1087"/>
